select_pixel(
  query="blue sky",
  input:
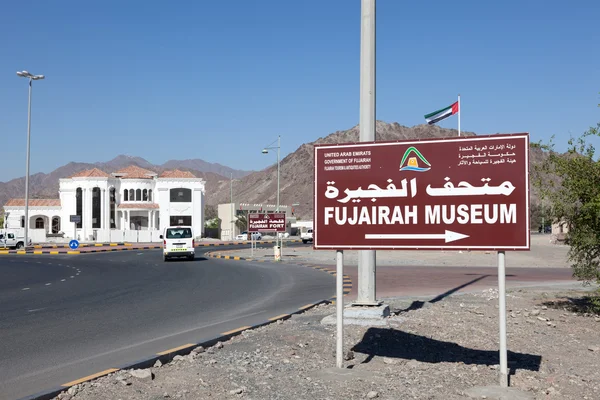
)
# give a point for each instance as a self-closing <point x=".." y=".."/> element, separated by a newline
<point x="219" y="80"/>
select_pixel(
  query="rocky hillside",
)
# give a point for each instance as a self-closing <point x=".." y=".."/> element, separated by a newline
<point x="258" y="187"/>
<point x="297" y="173"/>
<point x="46" y="185"/>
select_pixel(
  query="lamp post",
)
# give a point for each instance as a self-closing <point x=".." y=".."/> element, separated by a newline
<point x="232" y="208"/>
<point x="25" y="74"/>
<point x="266" y="151"/>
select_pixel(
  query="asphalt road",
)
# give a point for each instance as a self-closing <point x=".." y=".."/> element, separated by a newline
<point x="66" y="317"/>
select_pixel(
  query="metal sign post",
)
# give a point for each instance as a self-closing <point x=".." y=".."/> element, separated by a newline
<point x="275" y="222"/>
<point x="339" y="298"/>
<point x="502" y="318"/>
<point x="75" y="219"/>
<point x="457" y="193"/>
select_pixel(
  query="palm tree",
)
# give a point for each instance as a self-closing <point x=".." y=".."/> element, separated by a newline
<point x="241" y="222"/>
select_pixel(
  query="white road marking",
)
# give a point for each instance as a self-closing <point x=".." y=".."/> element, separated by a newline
<point x="48" y="284"/>
<point x="62" y="280"/>
<point x="36" y="309"/>
<point x="72" y="277"/>
<point x="25" y="288"/>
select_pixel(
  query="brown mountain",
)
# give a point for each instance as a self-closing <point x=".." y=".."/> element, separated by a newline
<point x="296" y="169"/>
<point x="46" y="185"/>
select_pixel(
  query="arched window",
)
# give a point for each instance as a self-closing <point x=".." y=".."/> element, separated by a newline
<point x="150" y="195"/>
<point x="39" y="223"/>
<point x="79" y="206"/>
<point x="131" y="195"/>
<point x="138" y="195"/>
<point x="181" y="195"/>
<point x="96" y="208"/>
<point x="55" y="224"/>
<point x="125" y="195"/>
<point x="145" y="195"/>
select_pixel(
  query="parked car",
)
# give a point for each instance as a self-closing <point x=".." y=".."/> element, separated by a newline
<point x="307" y="236"/>
<point x="10" y="240"/>
<point x="244" y="236"/>
<point x="178" y="241"/>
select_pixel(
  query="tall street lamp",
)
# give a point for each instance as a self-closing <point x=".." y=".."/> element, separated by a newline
<point x="25" y="74"/>
<point x="266" y="151"/>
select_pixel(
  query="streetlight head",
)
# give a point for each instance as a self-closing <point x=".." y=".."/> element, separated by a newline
<point x="36" y="77"/>
<point x="265" y="151"/>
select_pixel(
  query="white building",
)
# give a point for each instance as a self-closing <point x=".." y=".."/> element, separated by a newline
<point x="130" y="205"/>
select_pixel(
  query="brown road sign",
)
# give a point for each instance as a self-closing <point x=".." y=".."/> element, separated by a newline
<point x="266" y="222"/>
<point x="460" y="193"/>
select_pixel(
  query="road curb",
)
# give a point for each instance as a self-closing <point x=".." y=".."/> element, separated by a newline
<point x="89" y="248"/>
<point x="168" y="355"/>
<point x="66" y="246"/>
<point x="73" y="252"/>
<point x="329" y="270"/>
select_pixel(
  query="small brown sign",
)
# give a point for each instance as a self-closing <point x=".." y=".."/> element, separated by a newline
<point x="459" y="193"/>
<point x="266" y="222"/>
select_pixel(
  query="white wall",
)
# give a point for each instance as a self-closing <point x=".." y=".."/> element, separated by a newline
<point x="15" y="213"/>
<point x="195" y="208"/>
<point x="37" y="235"/>
<point x="226" y="213"/>
<point x="116" y="236"/>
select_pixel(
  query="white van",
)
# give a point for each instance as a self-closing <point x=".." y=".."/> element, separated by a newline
<point x="178" y="241"/>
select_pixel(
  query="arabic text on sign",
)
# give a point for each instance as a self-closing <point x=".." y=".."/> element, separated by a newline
<point x="374" y="192"/>
<point x="466" y="189"/>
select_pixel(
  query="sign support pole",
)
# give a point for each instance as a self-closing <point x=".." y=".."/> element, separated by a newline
<point x="367" y="258"/>
<point x="339" y="298"/>
<point x="502" y="317"/>
<point x="459" y="115"/>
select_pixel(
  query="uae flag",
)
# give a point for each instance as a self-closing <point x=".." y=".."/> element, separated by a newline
<point x="444" y="113"/>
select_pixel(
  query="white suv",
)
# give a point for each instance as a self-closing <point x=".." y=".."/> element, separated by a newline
<point x="244" y="236"/>
<point x="178" y="241"/>
<point x="307" y="236"/>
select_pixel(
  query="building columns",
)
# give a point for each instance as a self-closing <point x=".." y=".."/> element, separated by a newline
<point x="83" y="212"/>
<point x="102" y="209"/>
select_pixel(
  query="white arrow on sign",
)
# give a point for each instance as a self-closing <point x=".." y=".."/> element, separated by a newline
<point x="448" y="236"/>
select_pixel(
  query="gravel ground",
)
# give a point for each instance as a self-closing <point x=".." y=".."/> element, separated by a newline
<point x="427" y="351"/>
<point x="543" y="254"/>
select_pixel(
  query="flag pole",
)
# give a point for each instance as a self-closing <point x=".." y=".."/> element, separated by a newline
<point x="459" y="114"/>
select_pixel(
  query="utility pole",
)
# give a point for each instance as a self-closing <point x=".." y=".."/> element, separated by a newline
<point x="231" y="200"/>
<point x="367" y="258"/>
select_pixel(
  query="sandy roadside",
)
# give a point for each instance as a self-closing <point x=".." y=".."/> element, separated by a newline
<point x="429" y="350"/>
